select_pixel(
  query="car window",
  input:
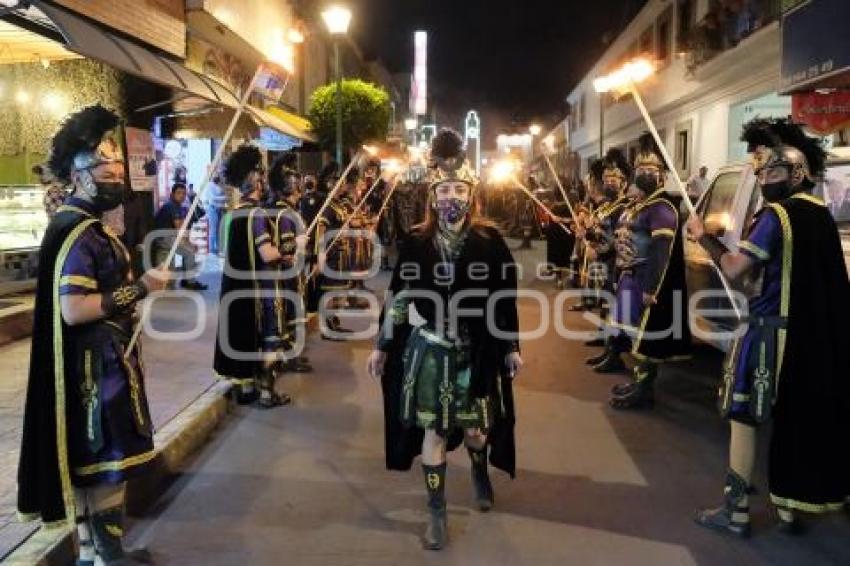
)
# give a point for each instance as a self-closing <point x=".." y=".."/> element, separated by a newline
<point x="717" y="206"/>
<point x="836" y="191"/>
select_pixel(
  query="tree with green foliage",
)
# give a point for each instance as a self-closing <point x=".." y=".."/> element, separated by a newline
<point x="365" y="114"/>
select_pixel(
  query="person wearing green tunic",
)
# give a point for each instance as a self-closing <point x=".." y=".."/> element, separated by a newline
<point x="448" y="380"/>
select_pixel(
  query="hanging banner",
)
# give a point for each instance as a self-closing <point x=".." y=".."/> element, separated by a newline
<point x="824" y="114"/>
<point x="141" y="159"/>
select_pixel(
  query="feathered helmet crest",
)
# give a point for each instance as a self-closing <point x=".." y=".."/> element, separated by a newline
<point x="617" y="170"/>
<point x="448" y="160"/>
<point x="244" y="161"/>
<point x="775" y="142"/>
<point x="649" y="156"/>
<point x="81" y="142"/>
<point x="594" y="173"/>
<point x="281" y="169"/>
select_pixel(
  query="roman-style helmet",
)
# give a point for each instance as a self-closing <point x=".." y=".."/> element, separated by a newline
<point x="779" y="142"/>
<point x="617" y="171"/>
<point x="279" y="173"/>
<point x="448" y="161"/>
<point x="649" y="156"/>
<point x="84" y="140"/>
<point x="245" y="160"/>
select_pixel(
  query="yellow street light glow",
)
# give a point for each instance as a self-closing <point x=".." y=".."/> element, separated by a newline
<point x="53" y="101"/>
<point x="295" y="35"/>
<point x="535" y="130"/>
<point x="632" y="72"/>
<point x="337" y="18"/>
<point x="22" y="97"/>
<point x="502" y="170"/>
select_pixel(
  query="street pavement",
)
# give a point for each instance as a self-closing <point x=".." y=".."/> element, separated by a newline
<point x="306" y="484"/>
<point x="176" y="374"/>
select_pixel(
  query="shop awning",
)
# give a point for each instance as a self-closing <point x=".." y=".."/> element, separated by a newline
<point x="284" y="122"/>
<point x="89" y="40"/>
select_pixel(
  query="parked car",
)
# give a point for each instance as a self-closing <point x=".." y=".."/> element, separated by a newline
<point x="727" y="209"/>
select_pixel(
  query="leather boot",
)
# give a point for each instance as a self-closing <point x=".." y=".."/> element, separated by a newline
<point x="611" y="363"/>
<point x="481" y="479"/>
<point x="734" y="515"/>
<point x="640" y="394"/>
<point x="107" y="529"/>
<point x="437" y="532"/>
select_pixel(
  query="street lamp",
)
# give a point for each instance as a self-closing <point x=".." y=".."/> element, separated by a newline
<point x="337" y="19"/>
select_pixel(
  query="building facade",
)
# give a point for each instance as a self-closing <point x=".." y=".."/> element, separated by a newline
<point x="717" y="66"/>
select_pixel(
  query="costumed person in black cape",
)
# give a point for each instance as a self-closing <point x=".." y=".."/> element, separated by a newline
<point x="585" y="219"/>
<point x="791" y="366"/>
<point x="559" y="242"/>
<point x="600" y="235"/>
<point x="310" y="205"/>
<point x="651" y="288"/>
<point x="288" y="235"/>
<point x="449" y="380"/>
<point x="87" y="427"/>
<point x="249" y="339"/>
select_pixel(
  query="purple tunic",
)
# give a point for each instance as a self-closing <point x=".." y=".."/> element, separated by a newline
<point x="110" y="434"/>
<point x="638" y="226"/>
<point x="261" y="234"/>
<point x="764" y="246"/>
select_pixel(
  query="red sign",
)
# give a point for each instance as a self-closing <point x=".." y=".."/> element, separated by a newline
<point x="824" y="114"/>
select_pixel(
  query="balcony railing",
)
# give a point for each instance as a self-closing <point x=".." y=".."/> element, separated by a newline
<point x="727" y="23"/>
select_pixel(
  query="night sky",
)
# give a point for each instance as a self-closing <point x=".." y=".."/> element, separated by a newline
<point x="512" y="60"/>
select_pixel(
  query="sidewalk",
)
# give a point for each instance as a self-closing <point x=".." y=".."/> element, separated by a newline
<point x="177" y="373"/>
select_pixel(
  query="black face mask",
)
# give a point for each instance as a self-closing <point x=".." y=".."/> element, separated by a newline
<point x="611" y="191"/>
<point x="647" y="183"/>
<point x="109" y="196"/>
<point x="774" y="192"/>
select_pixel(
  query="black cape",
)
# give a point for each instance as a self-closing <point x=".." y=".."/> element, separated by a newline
<point x="809" y="465"/>
<point x="44" y="480"/>
<point x="489" y="374"/>
<point x="238" y="321"/>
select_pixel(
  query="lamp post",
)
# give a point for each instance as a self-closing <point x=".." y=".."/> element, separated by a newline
<point x="337" y="19"/>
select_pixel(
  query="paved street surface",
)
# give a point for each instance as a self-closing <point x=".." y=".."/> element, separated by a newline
<point x="306" y="484"/>
<point x="177" y="374"/>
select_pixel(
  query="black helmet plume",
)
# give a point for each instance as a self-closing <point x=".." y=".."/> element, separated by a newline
<point x="81" y="131"/>
<point x="245" y="159"/>
<point x="616" y="159"/>
<point x="596" y="170"/>
<point x="280" y="169"/>
<point x="776" y="132"/>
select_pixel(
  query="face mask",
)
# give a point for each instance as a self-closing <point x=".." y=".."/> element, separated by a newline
<point x="647" y="183"/>
<point x="611" y="191"/>
<point x="109" y="196"/>
<point x="773" y="192"/>
<point x="451" y="211"/>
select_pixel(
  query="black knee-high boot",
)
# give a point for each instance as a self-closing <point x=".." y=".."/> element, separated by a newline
<point x="107" y="529"/>
<point x="481" y="479"/>
<point x="437" y="531"/>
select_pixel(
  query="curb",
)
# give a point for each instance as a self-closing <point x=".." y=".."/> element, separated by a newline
<point x="176" y="442"/>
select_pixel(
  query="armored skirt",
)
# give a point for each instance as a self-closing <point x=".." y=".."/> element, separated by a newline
<point x="437" y="390"/>
<point x="447" y="373"/>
